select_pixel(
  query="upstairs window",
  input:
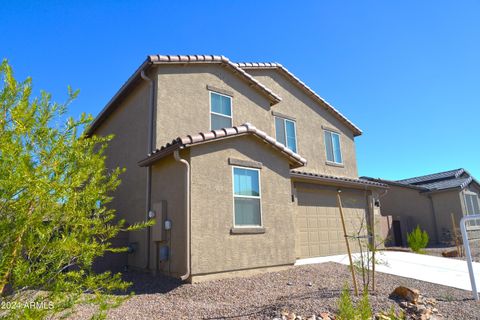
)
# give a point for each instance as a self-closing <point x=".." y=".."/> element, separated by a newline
<point x="220" y="111"/>
<point x="246" y="197"/>
<point x="286" y="133"/>
<point x="332" y="147"/>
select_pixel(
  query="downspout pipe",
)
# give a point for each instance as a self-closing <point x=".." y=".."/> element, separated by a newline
<point x="176" y="155"/>
<point x="148" y="194"/>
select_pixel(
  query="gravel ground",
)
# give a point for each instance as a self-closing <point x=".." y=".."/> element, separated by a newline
<point x="265" y="296"/>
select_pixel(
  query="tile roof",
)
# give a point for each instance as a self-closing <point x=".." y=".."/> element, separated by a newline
<point x="394" y="183"/>
<point x="330" y="178"/>
<point x="215" y="135"/>
<point x="435" y="176"/>
<point x="448" y="184"/>
<point x="302" y="85"/>
<point x="458" y="178"/>
<point x="177" y="59"/>
<point x="165" y="59"/>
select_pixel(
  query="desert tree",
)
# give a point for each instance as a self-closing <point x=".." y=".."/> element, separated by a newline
<point x="54" y="218"/>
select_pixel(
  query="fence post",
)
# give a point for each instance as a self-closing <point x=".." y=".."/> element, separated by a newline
<point x="468" y="254"/>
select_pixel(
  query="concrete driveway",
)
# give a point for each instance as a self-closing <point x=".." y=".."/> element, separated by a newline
<point x="444" y="271"/>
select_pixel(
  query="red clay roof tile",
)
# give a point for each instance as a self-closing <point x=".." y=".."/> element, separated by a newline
<point x="211" y="136"/>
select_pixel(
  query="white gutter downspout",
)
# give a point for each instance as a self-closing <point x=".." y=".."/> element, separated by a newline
<point x="176" y="155"/>
<point x="148" y="195"/>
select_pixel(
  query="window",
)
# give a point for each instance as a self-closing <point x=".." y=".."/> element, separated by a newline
<point x="286" y="133"/>
<point x="246" y="197"/>
<point x="220" y="111"/>
<point x="332" y="147"/>
<point x="472" y="206"/>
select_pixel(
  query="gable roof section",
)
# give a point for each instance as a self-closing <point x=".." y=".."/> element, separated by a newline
<point x="432" y="177"/>
<point x="277" y="66"/>
<point x="179" y="59"/>
<point x="216" y="135"/>
<point x="448" y="184"/>
<point x="452" y="179"/>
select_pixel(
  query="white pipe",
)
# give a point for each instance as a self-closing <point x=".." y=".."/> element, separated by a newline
<point x="466" y="244"/>
<point x="176" y="155"/>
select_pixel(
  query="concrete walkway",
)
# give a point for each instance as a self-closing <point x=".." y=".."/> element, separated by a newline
<point x="444" y="271"/>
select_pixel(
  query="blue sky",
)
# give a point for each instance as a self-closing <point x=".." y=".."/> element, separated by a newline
<point x="406" y="72"/>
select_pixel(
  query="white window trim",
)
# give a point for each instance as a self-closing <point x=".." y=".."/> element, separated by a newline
<point x="340" y="146"/>
<point x="476" y="224"/>
<point x="220" y="114"/>
<point x="248" y="197"/>
<point x="285" y="131"/>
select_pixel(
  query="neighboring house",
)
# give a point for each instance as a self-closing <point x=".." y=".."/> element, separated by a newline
<point x="429" y="201"/>
<point x="255" y="189"/>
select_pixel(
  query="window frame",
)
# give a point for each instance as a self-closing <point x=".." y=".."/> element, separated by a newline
<point x="333" y="150"/>
<point x="285" y="131"/>
<point x="210" y="92"/>
<point x="250" y="226"/>
<point x="475" y="196"/>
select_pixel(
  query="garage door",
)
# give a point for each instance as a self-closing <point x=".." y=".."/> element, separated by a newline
<point x="318" y="225"/>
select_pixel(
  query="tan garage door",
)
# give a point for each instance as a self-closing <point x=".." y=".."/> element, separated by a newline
<point x="318" y="225"/>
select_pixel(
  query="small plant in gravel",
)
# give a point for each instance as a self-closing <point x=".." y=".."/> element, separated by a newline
<point x="417" y="240"/>
<point x="392" y="315"/>
<point x="364" y="308"/>
<point x="348" y="311"/>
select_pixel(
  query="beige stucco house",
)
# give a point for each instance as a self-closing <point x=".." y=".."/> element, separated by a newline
<point x="238" y="163"/>
<point x="429" y="201"/>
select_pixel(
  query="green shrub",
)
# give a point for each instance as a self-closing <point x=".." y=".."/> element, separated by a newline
<point x="348" y="311"/>
<point x="417" y="240"/>
<point x="363" y="307"/>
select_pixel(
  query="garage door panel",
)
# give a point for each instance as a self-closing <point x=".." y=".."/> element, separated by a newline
<point x="318" y="226"/>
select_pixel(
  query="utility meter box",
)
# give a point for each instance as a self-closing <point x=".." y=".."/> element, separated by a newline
<point x="158" y="232"/>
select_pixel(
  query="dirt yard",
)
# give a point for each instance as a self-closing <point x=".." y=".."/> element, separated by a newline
<point x="305" y="290"/>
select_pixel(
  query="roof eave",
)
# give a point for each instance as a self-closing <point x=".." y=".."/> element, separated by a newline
<point x="338" y="182"/>
<point x="271" y="66"/>
<point x="159" y="59"/>
<point x="108" y="109"/>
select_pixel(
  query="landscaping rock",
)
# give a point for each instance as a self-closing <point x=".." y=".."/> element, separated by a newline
<point x="416" y="306"/>
<point x="407" y="294"/>
<point x="450" y="254"/>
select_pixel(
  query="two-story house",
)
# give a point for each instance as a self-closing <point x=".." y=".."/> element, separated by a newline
<point x="239" y="163"/>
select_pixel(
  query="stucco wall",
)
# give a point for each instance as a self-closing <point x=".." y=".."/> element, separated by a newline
<point x="183" y="107"/>
<point x="129" y="125"/>
<point x="214" y="249"/>
<point x="446" y="203"/>
<point x="183" y="101"/>
<point x="168" y="184"/>
<point x="410" y="208"/>
<point x="310" y="117"/>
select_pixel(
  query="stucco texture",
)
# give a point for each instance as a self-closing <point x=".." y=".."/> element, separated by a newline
<point x="128" y="124"/>
<point x="168" y="186"/>
<point x="183" y="101"/>
<point x="411" y="208"/>
<point x="214" y="248"/>
<point x="310" y="117"/>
